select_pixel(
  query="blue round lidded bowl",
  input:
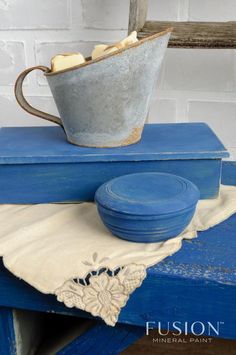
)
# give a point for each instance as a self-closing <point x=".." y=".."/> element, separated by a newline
<point x="147" y="207"/>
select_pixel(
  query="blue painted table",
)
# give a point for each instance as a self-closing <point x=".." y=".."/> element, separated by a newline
<point x="196" y="284"/>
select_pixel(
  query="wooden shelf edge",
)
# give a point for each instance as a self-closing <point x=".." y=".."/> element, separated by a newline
<point x="195" y="34"/>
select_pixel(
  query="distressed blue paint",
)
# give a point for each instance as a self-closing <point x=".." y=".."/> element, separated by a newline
<point x="147" y="207"/>
<point x="37" y="164"/>
<point x="42" y="183"/>
<point x="229" y="173"/>
<point x="7" y="333"/>
<point x="101" y="339"/>
<point x="27" y="145"/>
<point x="197" y="283"/>
<point x="185" y="290"/>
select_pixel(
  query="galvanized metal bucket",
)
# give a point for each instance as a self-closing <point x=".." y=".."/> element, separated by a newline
<point x="104" y="102"/>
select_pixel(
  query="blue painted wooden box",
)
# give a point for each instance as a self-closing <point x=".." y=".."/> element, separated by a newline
<point x="38" y="165"/>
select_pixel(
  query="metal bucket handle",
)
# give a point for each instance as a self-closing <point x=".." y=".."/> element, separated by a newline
<point x="24" y="103"/>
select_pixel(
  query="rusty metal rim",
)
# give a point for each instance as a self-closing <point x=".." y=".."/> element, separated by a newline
<point x="136" y="44"/>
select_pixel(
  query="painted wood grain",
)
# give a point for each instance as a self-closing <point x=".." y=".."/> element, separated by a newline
<point x="160" y="141"/>
<point x="44" y="183"/>
<point x="38" y="165"/>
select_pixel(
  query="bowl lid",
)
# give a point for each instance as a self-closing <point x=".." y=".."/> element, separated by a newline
<point x="147" y="194"/>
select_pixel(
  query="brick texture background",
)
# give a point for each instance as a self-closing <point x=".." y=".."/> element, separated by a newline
<point x="195" y="85"/>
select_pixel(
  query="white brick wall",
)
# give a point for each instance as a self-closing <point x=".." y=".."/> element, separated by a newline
<point x="12" y="59"/>
<point x="32" y="14"/>
<point x="212" y="10"/>
<point x="195" y="85"/>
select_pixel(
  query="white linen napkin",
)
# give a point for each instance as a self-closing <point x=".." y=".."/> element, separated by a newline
<point x="64" y="249"/>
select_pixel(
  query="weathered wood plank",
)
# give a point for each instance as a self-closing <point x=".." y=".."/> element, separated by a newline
<point x="195" y="34"/>
<point x="137" y="14"/>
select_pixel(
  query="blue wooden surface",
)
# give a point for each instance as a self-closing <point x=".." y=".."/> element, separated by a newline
<point x="229" y="173"/>
<point x="41" y="183"/>
<point x="103" y="340"/>
<point x="7" y="333"/>
<point x="38" y="165"/>
<point x="197" y="283"/>
<point x="27" y="145"/>
<point x="147" y="207"/>
<point x="184" y="291"/>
